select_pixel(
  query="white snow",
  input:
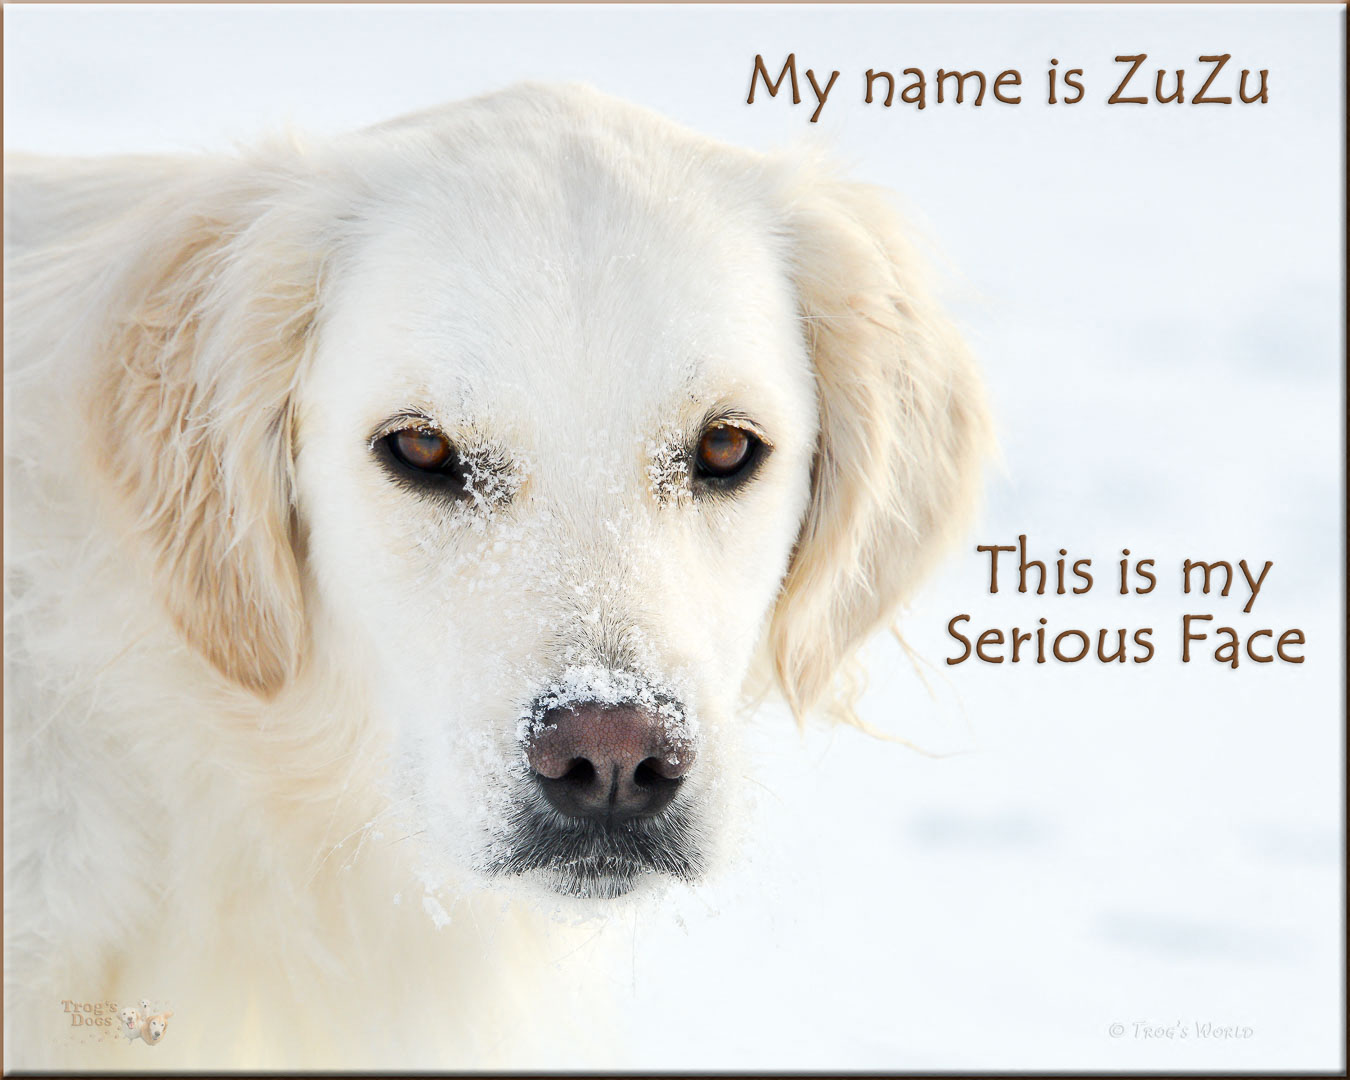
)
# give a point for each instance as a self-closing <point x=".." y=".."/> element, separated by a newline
<point x="436" y="910"/>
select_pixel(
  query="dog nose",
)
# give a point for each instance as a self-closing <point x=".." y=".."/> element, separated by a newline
<point x="607" y="763"/>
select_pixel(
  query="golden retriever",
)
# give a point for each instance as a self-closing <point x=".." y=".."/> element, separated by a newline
<point x="401" y="521"/>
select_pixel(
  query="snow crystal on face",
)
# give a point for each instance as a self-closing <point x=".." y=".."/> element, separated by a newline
<point x="668" y="471"/>
<point x="492" y="478"/>
<point x="439" y="916"/>
<point x="592" y="684"/>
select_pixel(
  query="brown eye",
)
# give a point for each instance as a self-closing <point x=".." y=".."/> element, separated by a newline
<point x="723" y="451"/>
<point x="425" y="460"/>
<point x="428" y="451"/>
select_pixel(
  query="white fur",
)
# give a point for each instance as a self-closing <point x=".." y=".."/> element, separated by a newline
<point x="265" y="705"/>
<point x="129" y="1022"/>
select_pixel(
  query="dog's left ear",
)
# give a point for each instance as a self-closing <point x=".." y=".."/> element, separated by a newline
<point x="195" y="412"/>
<point x="903" y="430"/>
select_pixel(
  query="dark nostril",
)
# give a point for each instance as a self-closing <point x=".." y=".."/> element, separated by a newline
<point x="650" y="774"/>
<point x="581" y="774"/>
<point x="673" y="765"/>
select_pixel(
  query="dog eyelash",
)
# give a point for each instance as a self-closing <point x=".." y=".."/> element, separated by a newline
<point x="736" y="418"/>
<point x="402" y="421"/>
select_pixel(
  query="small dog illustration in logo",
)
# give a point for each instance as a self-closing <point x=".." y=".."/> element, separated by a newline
<point x="129" y="1023"/>
<point x="143" y="1024"/>
<point x="152" y="1030"/>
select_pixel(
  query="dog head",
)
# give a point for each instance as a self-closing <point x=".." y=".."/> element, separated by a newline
<point x="155" y="1027"/>
<point x="548" y="423"/>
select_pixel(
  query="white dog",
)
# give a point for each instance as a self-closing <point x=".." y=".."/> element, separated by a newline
<point x="409" y="514"/>
<point x="129" y="1022"/>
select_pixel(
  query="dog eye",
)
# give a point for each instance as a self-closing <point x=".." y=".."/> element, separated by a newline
<point x="427" y="459"/>
<point x="428" y="451"/>
<point x="725" y="451"/>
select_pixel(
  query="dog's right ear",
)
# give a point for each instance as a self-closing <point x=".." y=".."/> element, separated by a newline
<point x="194" y="412"/>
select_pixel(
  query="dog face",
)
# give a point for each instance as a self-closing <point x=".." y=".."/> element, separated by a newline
<point x="553" y="464"/>
<point x="544" y="419"/>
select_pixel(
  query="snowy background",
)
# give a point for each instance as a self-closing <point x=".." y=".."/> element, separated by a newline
<point x="1155" y="294"/>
